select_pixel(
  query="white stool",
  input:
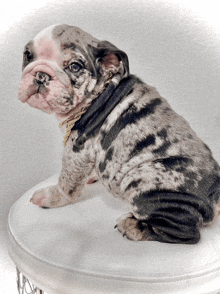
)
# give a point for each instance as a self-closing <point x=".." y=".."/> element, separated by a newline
<point x="75" y="249"/>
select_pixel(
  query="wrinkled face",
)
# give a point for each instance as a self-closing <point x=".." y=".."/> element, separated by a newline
<point x="60" y="68"/>
<point x="57" y="69"/>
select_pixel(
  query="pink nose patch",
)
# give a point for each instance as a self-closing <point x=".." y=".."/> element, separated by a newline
<point x="46" y="49"/>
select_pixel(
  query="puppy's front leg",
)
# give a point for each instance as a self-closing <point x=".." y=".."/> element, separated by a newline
<point x="76" y="167"/>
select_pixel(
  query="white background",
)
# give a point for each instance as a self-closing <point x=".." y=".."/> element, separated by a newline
<point x="172" y="45"/>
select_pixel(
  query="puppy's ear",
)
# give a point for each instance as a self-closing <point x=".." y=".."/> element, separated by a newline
<point x="108" y="58"/>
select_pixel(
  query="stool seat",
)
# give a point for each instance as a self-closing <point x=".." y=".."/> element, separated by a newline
<point x="75" y="249"/>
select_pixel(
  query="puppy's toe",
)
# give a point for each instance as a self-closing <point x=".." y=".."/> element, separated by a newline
<point x="132" y="228"/>
<point x="125" y="222"/>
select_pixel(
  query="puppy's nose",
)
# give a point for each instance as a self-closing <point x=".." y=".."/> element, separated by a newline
<point x="42" y="78"/>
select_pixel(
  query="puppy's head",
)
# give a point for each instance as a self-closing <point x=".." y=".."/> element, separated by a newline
<point x="63" y="66"/>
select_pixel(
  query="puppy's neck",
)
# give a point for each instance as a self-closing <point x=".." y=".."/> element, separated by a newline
<point x="72" y="118"/>
<point x="64" y="118"/>
<point x="67" y="121"/>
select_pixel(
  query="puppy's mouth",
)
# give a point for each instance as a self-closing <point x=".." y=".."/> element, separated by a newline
<point x="46" y="87"/>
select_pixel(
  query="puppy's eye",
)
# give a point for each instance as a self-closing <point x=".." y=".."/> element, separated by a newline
<point x="29" y="55"/>
<point x="75" y="67"/>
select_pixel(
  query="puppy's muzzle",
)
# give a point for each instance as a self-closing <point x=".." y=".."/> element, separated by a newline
<point x="46" y="86"/>
<point x="42" y="78"/>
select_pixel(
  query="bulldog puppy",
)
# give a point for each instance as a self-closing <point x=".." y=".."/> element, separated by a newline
<point x="141" y="150"/>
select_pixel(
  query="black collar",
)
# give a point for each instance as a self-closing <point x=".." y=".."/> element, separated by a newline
<point x="100" y="108"/>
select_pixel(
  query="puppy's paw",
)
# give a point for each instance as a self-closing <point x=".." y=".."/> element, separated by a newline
<point x="132" y="228"/>
<point x="41" y="198"/>
<point x="49" y="197"/>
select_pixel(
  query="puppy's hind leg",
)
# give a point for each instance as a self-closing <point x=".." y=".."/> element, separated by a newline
<point x="165" y="217"/>
<point x="158" y="228"/>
